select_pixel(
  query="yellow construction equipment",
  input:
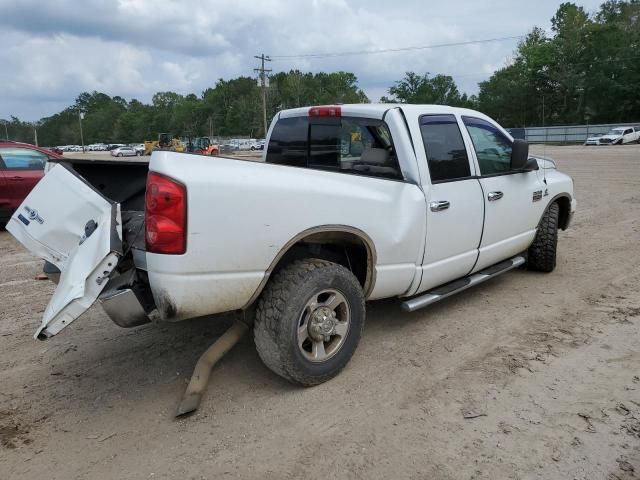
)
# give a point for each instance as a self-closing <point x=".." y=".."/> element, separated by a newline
<point x="164" y="142"/>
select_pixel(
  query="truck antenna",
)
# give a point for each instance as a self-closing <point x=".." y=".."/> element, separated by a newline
<point x="544" y="146"/>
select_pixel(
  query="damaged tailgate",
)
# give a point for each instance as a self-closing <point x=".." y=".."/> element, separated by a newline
<point x="65" y="221"/>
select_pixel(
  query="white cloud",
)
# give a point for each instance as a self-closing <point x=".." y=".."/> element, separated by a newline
<point x="54" y="49"/>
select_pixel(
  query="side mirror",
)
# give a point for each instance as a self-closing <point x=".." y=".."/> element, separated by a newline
<point x="519" y="154"/>
<point x="532" y="164"/>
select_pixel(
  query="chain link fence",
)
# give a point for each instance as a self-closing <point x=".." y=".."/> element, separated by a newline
<point x="566" y="133"/>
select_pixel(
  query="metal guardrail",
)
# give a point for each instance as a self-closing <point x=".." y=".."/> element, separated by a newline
<point x="566" y="133"/>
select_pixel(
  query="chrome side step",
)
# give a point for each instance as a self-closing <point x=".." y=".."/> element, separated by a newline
<point x="439" y="293"/>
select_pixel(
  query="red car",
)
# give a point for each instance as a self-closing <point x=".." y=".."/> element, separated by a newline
<point x="21" y="167"/>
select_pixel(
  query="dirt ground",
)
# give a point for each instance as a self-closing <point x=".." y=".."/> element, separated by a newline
<point x="526" y="376"/>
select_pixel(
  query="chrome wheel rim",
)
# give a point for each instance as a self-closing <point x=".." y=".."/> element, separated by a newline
<point x="323" y="325"/>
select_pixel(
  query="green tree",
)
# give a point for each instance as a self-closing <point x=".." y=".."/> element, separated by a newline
<point x="438" y="90"/>
<point x="586" y="71"/>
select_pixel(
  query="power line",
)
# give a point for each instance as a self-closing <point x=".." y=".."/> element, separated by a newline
<point x="400" y="49"/>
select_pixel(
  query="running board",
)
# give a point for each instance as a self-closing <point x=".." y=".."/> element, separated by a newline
<point x="439" y="293"/>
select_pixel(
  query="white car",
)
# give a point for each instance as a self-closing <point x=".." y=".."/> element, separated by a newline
<point x="125" y="152"/>
<point x="257" y="144"/>
<point x="595" y="140"/>
<point x="246" y="144"/>
<point x="616" y="136"/>
<point x="351" y="203"/>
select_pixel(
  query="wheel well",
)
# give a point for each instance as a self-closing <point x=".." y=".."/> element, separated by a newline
<point x="565" y="210"/>
<point x="345" y="248"/>
<point x="341" y="244"/>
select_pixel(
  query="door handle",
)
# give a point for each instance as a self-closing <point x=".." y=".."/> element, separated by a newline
<point x="493" y="196"/>
<point x="16" y="179"/>
<point x="438" y="206"/>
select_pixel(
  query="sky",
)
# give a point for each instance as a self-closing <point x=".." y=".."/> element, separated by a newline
<point x="52" y="50"/>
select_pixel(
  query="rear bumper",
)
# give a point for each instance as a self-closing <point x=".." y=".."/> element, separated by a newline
<point x="124" y="308"/>
<point x="120" y="304"/>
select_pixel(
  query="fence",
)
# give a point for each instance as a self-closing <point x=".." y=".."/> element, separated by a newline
<point x="566" y="133"/>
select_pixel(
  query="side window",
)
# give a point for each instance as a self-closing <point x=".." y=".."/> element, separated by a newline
<point x="22" y="159"/>
<point x="288" y="143"/>
<point x="628" y="131"/>
<point x="361" y="146"/>
<point x="443" y="144"/>
<point x="493" y="149"/>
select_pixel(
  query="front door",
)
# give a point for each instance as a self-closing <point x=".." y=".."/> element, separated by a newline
<point x="513" y="200"/>
<point x="454" y="203"/>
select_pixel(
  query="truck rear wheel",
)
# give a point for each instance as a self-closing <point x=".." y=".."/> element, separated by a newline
<point x="309" y="321"/>
<point x="542" y="252"/>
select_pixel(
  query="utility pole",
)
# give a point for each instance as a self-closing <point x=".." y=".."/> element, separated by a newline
<point x="263" y="82"/>
<point x="35" y="133"/>
<point x="80" y="117"/>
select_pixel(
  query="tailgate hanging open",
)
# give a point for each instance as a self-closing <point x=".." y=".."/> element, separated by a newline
<point x="67" y="222"/>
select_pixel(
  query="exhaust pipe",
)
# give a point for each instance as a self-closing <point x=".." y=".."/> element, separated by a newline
<point x="201" y="373"/>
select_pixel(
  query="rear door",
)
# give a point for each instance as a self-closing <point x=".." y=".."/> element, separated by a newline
<point x="455" y="206"/>
<point x="512" y="199"/>
<point x="68" y="223"/>
<point x="23" y="168"/>
<point x="5" y="202"/>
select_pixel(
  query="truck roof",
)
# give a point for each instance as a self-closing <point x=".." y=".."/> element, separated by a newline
<point x="377" y="110"/>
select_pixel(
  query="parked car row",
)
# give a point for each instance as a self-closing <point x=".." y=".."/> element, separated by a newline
<point x="98" y="147"/>
<point x="242" y="144"/>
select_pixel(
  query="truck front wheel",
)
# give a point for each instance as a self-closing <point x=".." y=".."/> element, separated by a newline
<point x="542" y="252"/>
<point x="309" y="321"/>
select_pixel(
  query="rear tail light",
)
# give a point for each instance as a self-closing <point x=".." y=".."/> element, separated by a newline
<point x="326" y="111"/>
<point x="165" y="215"/>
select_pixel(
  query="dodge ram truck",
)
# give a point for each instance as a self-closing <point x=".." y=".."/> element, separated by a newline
<point x="350" y="203"/>
<point x="616" y="136"/>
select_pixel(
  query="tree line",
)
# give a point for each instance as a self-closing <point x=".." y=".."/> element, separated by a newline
<point x="586" y="70"/>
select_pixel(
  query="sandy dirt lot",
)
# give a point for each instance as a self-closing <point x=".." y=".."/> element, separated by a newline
<point x="527" y="376"/>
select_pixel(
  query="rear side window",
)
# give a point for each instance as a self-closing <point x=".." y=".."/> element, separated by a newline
<point x="493" y="148"/>
<point x="22" y="159"/>
<point x="443" y="144"/>
<point x="361" y="146"/>
<point x="288" y="144"/>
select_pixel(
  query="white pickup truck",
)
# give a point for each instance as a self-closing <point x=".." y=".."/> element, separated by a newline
<point x="616" y="136"/>
<point x="350" y="203"/>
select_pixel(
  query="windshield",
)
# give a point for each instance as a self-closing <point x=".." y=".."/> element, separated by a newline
<point x="616" y="131"/>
